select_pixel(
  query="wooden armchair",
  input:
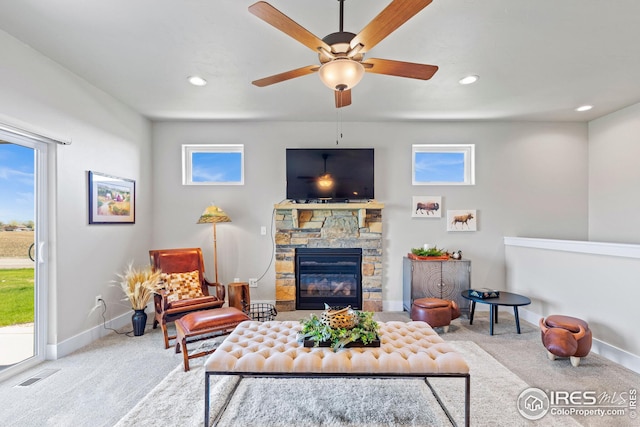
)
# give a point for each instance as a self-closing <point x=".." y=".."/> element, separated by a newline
<point x="186" y="288"/>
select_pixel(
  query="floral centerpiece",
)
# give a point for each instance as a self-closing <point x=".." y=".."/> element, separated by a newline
<point x="315" y="329"/>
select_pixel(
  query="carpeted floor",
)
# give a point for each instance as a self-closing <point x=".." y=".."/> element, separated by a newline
<point x="99" y="384"/>
<point x="178" y="399"/>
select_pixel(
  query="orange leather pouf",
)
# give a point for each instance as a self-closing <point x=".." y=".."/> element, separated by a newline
<point x="201" y="324"/>
<point x="565" y="336"/>
<point x="435" y="311"/>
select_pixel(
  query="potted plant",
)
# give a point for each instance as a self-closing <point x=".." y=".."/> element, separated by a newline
<point x="139" y="285"/>
<point x="430" y="254"/>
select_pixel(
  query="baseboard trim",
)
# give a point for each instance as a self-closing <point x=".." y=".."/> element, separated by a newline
<point x="68" y="346"/>
<point x="604" y="349"/>
<point x="392" y="306"/>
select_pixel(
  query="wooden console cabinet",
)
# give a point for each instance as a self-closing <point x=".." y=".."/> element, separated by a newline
<point x="436" y="279"/>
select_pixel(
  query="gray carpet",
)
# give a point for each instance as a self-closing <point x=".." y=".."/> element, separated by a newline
<point x="99" y="384"/>
<point x="268" y="402"/>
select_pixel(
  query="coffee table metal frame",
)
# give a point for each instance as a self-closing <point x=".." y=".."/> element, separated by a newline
<point x="505" y="299"/>
<point x="467" y="387"/>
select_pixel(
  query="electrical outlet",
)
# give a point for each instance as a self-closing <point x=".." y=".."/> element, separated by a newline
<point x="263" y="230"/>
<point x="253" y="283"/>
<point x="98" y="301"/>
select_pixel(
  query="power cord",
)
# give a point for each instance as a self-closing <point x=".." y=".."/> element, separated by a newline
<point x="104" y="320"/>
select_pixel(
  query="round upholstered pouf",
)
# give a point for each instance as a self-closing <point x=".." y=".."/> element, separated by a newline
<point x="435" y="311"/>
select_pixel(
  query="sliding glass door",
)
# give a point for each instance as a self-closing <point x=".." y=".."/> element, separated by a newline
<point x="23" y="237"/>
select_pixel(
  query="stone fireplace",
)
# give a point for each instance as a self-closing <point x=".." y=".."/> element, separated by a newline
<point x="329" y="226"/>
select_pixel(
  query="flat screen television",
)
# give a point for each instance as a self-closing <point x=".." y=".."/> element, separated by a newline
<point x="329" y="174"/>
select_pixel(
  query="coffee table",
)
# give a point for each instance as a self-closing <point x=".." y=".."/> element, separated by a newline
<point x="271" y="349"/>
<point x="505" y="298"/>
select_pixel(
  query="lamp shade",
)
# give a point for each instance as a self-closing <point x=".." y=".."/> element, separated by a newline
<point x="213" y="214"/>
<point x="341" y="73"/>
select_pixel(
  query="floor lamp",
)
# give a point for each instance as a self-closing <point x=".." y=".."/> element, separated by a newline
<point x="213" y="215"/>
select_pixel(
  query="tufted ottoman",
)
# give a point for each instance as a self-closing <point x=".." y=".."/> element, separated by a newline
<point x="411" y="349"/>
<point x="435" y="311"/>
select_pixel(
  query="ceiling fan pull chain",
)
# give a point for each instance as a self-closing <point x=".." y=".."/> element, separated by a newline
<point x="339" y="120"/>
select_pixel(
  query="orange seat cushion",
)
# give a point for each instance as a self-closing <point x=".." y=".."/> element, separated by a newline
<point x="207" y="320"/>
<point x="431" y="302"/>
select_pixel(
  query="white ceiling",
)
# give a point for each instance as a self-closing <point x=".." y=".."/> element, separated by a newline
<point x="537" y="59"/>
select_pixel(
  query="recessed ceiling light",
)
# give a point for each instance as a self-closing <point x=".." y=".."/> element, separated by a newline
<point x="197" y="81"/>
<point x="468" y="80"/>
<point x="584" y="108"/>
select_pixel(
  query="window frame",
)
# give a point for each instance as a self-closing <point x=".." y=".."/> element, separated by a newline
<point x="188" y="150"/>
<point x="468" y="151"/>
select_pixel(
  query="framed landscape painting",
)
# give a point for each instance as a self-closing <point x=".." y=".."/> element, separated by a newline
<point x="112" y="200"/>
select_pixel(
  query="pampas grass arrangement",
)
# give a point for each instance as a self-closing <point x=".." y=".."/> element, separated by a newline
<point x="139" y="285"/>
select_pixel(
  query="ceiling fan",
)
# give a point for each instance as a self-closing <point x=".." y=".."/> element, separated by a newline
<point x="341" y="54"/>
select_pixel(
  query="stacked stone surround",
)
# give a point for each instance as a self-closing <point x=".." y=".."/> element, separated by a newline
<point x="335" y="225"/>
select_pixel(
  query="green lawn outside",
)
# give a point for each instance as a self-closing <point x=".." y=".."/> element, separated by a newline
<point x="16" y="296"/>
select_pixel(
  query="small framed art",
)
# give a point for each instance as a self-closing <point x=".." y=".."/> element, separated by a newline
<point x="462" y="220"/>
<point x="426" y="207"/>
<point x="112" y="200"/>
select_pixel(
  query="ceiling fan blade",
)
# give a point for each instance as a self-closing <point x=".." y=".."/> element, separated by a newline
<point x="274" y="17"/>
<point x="397" y="13"/>
<point x="399" y="68"/>
<point x="287" y="75"/>
<point x="343" y="98"/>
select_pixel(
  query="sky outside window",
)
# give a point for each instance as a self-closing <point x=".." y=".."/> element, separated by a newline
<point x="216" y="167"/>
<point x="16" y="183"/>
<point x="439" y="167"/>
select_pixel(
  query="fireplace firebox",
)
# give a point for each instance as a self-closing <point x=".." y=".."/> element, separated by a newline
<point x="328" y="275"/>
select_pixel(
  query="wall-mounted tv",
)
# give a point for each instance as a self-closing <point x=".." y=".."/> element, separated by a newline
<point x="329" y="174"/>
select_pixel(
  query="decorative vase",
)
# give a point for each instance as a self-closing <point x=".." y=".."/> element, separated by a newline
<point x="339" y="317"/>
<point x="139" y="321"/>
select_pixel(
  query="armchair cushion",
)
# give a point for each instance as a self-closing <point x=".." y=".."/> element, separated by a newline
<point x="191" y="303"/>
<point x="181" y="286"/>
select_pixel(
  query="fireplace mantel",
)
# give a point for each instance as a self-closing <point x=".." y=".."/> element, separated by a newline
<point x="360" y="207"/>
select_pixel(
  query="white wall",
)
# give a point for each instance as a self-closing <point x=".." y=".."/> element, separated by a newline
<point x="614" y="199"/>
<point x="599" y="288"/>
<point x="531" y="181"/>
<point x="593" y="281"/>
<point x="39" y="95"/>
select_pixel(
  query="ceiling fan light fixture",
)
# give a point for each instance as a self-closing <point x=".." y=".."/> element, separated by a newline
<point x="341" y="73"/>
<point x="468" y="80"/>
